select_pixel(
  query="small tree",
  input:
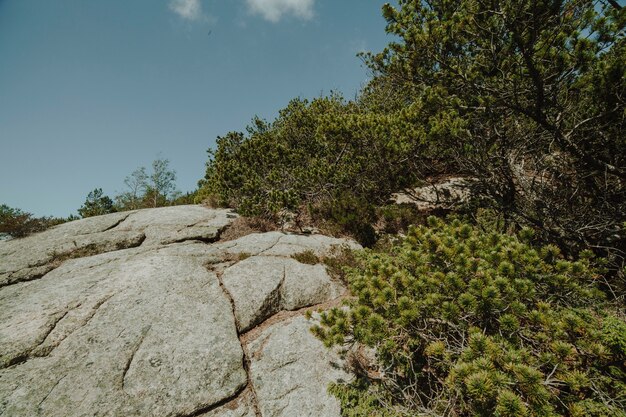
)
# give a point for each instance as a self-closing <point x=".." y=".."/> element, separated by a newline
<point x="162" y="184"/>
<point x="527" y="97"/>
<point x="149" y="190"/>
<point x="96" y="204"/>
<point x="137" y="184"/>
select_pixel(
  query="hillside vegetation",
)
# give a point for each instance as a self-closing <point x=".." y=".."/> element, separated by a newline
<point x="516" y="307"/>
<point x="526" y="97"/>
<point x="468" y="322"/>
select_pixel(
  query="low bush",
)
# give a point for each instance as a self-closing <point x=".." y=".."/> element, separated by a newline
<point x="243" y="226"/>
<point x="473" y="322"/>
<point x="19" y="223"/>
<point x="326" y="160"/>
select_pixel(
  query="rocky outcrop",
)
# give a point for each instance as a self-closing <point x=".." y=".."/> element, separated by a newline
<point x="36" y="255"/>
<point x="284" y="360"/>
<point x="146" y="313"/>
<point x="443" y="194"/>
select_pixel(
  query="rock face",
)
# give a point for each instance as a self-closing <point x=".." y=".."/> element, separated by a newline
<point x="444" y="194"/>
<point x="146" y="313"/>
<point x="284" y="360"/>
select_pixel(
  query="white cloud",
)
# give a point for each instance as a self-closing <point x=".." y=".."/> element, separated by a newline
<point x="187" y="9"/>
<point x="274" y="10"/>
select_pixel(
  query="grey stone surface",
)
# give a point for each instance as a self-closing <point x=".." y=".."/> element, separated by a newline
<point x="179" y="223"/>
<point x="284" y="244"/>
<point x="307" y="285"/>
<point x="33" y="256"/>
<point x="254" y="285"/>
<point x="242" y="406"/>
<point x="136" y="314"/>
<point x="291" y="370"/>
<point x="138" y="334"/>
<point x="261" y="286"/>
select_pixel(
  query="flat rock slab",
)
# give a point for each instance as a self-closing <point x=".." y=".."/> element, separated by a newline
<point x="144" y="334"/>
<point x="35" y="255"/>
<point x="140" y="314"/>
<point x="284" y="244"/>
<point x="261" y="286"/>
<point x="291" y="371"/>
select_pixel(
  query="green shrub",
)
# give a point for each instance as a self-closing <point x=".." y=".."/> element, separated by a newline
<point x="471" y="322"/>
<point x="396" y="218"/>
<point x="16" y="222"/>
<point x="327" y="160"/>
<point x="19" y="223"/>
<point x="96" y="204"/>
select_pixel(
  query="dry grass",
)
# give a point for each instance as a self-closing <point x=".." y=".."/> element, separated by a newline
<point x="243" y="226"/>
<point x="340" y="258"/>
<point x="90" y="250"/>
<point x="307" y="257"/>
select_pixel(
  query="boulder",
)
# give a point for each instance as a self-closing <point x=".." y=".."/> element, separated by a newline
<point x="291" y="370"/>
<point x="33" y="256"/>
<point x="145" y="313"/>
<point x="261" y="286"/>
<point x="442" y="194"/>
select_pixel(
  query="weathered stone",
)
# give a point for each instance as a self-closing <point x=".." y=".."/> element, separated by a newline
<point x="126" y="315"/>
<point x="291" y="244"/>
<point x="307" y="285"/>
<point x="261" y="286"/>
<point x="284" y="244"/>
<point x="254" y="285"/>
<point x="136" y="334"/>
<point x="444" y="194"/>
<point x="291" y="370"/>
<point x="33" y="256"/>
<point x="175" y="224"/>
<point x="242" y="406"/>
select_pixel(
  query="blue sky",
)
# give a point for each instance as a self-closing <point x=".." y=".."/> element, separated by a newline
<point x="92" y="89"/>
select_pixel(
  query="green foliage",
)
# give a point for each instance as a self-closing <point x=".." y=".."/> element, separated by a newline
<point x="15" y="222"/>
<point x="471" y="322"/>
<point x="96" y="204"/>
<point x="396" y="218"/>
<point x="187" y="198"/>
<point x="19" y="223"/>
<point x="357" y="401"/>
<point x="154" y="189"/>
<point x="326" y="159"/>
<point x="348" y="213"/>
<point x="525" y="96"/>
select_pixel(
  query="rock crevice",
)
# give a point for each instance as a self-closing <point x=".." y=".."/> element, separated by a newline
<point x="246" y="360"/>
<point x="148" y="313"/>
